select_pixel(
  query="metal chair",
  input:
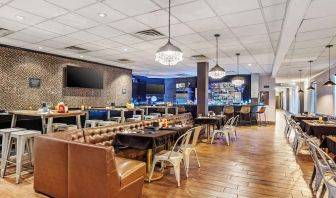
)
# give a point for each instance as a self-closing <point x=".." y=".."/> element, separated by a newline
<point x="224" y="131"/>
<point x="174" y="156"/>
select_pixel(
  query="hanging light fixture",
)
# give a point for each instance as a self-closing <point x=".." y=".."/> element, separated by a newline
<point x="217" y="71"/>
<point x="238" y="80"/>
<point x="329" y="82"/>
<point x="311" y="85"/>
<point x="300" y="90"/>
<point x="169" y="54"/>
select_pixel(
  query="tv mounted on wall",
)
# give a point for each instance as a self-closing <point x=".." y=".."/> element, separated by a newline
<point x="152" y="88"/>
<point x="84" y="77"/>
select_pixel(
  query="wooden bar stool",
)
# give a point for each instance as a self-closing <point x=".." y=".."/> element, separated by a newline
<point x="5" y="133"/>
<point x="228" y="111"/>
<point x="261" y="111"/>
<point x="21" y="139"/>
<point x="245" y="110"/>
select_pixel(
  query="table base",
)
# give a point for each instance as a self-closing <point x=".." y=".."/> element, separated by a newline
<point x="156" y="176"/>
<point x="206" y="140"/>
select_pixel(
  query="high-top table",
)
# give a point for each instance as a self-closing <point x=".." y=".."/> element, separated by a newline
<point x="166" y="108"/>
<point x="47" y="118"/>
<point x="122" y="112"/>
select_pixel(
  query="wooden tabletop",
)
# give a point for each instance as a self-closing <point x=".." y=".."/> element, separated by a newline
<point x="114" y="109"/>
<point x="158" y="106"/>
<point x="49" y="114"/>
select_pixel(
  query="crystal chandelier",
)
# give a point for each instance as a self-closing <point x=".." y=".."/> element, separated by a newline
<point x="238" y="80"/>
<point x="217" y="72"/>
<point x="169" y="54"/>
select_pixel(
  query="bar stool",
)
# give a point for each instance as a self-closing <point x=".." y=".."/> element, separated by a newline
<point x="261" y="111"/>
<point x="106" y="123"/>
<point x="5" y="133"/>
<point x="228" y="111"/>
<point x="91" y="123"/>
<point x="244" y="111"/>
<point x="21" y="139"/>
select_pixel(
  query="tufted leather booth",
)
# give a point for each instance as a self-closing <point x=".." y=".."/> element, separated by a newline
<point x="67" y="163"/>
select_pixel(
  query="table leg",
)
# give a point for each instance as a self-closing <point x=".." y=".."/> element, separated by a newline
<point x="176" y="111"/>
<point x="156" y="175"/>
<point x="122" y="115"/>
<point x="166" y="111"/>
<point x="142" y="114"/>
<point x="108" y="114"/>
<point x="147" y="111"/>
<point x="14" y="118"/>
<point x="44" y="125"/>
<point x="208" y="139"/>
<point x="87" y="115"/>
<point x="78" y="122"/>
<point x="49" y="125"/>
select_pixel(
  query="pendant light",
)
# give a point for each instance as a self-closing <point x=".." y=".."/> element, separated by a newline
<point x="217" y="71"/>
<point x="238" y="80"/>
<point x="168" y="54"/>
<point x="329" y="82"/>
<point x="300" y="90"/>
<point x="310" y="82"/>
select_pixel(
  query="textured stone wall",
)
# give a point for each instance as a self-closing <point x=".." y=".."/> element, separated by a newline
<point x="17" y="66"/>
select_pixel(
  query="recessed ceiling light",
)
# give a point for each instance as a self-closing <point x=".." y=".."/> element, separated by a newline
<point x="19" y="17"/>
<point x="40" y="47"/>
<point x="102" y="14"/>
<point x="249" y="64"/>
<point x="125" y="49"/>
<point x="81" y="56"/>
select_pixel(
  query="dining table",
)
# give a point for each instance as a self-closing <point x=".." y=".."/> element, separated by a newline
<point x="149" y="140"/>
<point x="217" y="120"/>
<point x="300" y="117"/>
<point x="46" y="117"/>
<point x="319" y="129"/>
<point x="329" y="142"/>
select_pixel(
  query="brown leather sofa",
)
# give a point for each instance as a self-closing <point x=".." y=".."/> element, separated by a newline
<point x="82" y="163"/>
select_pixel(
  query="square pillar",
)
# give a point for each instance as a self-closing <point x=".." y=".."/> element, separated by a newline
<point x="202" y="87"/>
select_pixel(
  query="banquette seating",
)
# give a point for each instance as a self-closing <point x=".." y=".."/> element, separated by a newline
<point x="70" y="163"/>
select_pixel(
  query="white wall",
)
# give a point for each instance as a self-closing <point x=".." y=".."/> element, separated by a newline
<point x="254" y="85"/>
<point x="267" y="80"/>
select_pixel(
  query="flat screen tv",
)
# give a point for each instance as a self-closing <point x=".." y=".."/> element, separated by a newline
<point x="152" y="88"/>
<point x="84" y="77"/>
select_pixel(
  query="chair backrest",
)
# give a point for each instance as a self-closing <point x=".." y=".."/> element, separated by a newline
<point x="235" y="121"/>
<point x="197" y="131"/>
<point x="262" y="110"/>
<point x="229" y="122"/>
<point x="228" y="110"/>
<point x="181" y="142"/>
<point x="245" y="109"/>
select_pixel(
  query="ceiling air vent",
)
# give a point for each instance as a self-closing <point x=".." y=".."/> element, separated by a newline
<point x="124" y="60"/>
<point x="199" y="57"/>
<point x="5" y="32"/>
<point x="76" y="49"/>
<point x="150" y="34"/>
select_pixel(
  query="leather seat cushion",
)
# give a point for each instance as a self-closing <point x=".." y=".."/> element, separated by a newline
<point x="131" y="153"/>
<point x="129" y="170"/>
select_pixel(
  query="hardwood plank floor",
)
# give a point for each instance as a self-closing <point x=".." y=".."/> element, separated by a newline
<point x="259" y="164"/>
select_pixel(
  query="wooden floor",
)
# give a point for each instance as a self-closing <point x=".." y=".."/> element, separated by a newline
<point x="259" y="164"/>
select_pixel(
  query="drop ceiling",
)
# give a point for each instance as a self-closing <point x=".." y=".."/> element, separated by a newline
<point x="250" y="27"/>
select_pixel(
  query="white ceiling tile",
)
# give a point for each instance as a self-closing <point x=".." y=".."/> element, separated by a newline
<point x="12" y="13"/>
<point x="276" y="12"/>
<point x="91" y="46"/>
<point x="250" y="30"/>
<point x="143" y="46"/>
<point x="39" y="48"/>
<point x="92" y="12"/>
<point x="176" y="30"/>
<point x="190" y="38"/>
<point x="131" y="7"/>
<point x="38" y="7"/>
<point x="126" y="39"/>
<point x="303" y="36"/>
<point x="84" y="36"/>
<point x="318" y="23"/>
<point x="53" y="44"/>
<point x="156" y="19"/>
<point x="12" y="42"/>
<point x="108" y="43"/>
<point x="266" y="3"/>
<point x="275" y="26"/>
<point x="11" y="25"/>
<point x="32" y="35"/>
<point x="321" y="8"/>
<point x="224" y="34"/>
<point x="73" y="4"/>
<point x="313" y="43"/>
<point x="104" y="31"/>
<point x="231" y="6"/>
<point x="66" y="41"/>
<point x="200" y="46"/>
<point x="56" y="27"/>
<point x="129" y="25"/>
<point x="165" y="4"/>
<point x="260" y="38"/>
<point x="243" y="18"/>
<point x="76" y="21"/>
<point x="192" y="11"/>
<point x="208" y="24"/>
